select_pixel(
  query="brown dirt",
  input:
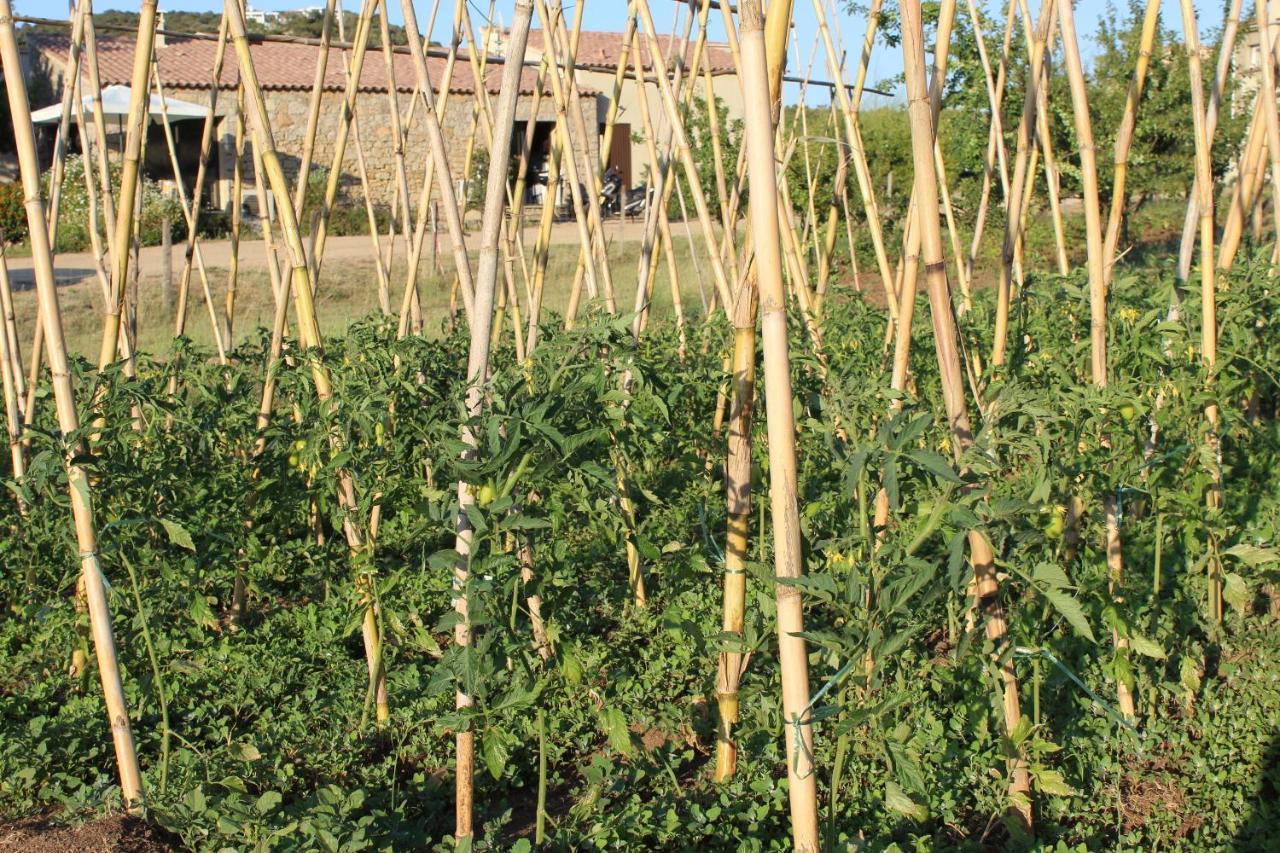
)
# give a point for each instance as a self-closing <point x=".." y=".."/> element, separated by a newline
<point x="117" y="833"/>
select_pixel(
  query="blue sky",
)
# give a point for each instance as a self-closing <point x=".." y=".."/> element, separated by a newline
<point x="886" y="62"/>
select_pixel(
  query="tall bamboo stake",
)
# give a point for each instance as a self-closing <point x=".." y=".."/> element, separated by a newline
<point x="788" y="559"/>
<point x="854" y="139"/>
<point x="439" y="158"/>
<point x="1124" y="135"/>
<point x="1208" y="291"/>
<point x="310" y="338"/>
<point x="995" y="139"/>
<point x="129" y="177"/>
<point x="477" y="365"/>
<point x="1013" y="218"/>
<point x="68" y="421"/>
<point x="1210" y="118"/>
<point x="946" y="345"/>
<point x="1267" y="100"/>
<point x="1097" y="299"/>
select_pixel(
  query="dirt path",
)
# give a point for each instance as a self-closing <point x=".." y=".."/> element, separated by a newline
<point x="74" y="267"/>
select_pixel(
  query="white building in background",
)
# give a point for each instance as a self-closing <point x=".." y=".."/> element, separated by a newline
<point x="259" y="16"/>
<point x="1246" y="60"/>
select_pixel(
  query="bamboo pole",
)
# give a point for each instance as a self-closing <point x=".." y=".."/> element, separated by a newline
<point x="310" y="338"/>
<point x="206" y="145"/>
<point x="995" y="139"/>
<point x="656" y="210"/>
<point x="1208" y="291"/>
<point x="1245" y="193"/>
<point x="129" y="177"/>
<point x="788" y="558"/>
<point x="946" y="346"/>
<point x="440" y="158"/>
<point x="1097" y="304"/>
<point x="1210" y="118"/>
<point x="189" y="207"/>
<point x="438" y="163"/>
<point x="68" y="421"/>
<point x="1124" y="135"/>
<point x="320" y="233"/>
<point x="586" y="210"/>
<point x="682" y="149"/>
<point x="477" y="365"/>
<point x="1013" y="218"/>
<point x="1267" y="100"/>
<point x="854" y="139"/>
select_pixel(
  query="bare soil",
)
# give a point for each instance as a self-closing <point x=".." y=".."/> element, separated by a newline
<point x="118" y="833"/>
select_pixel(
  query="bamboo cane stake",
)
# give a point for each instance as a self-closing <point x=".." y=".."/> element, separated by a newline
<point x="129" y="176"/>
<point x="321" y="232"/>
<point x="206" y="145"/>
<point x="1044" y="138"/>
<point x="1124" y="135"/>
<point x="14" y="356"/>
<point x="681" y="144"/>
<point x="438" y="163"/>
<point x="854" y="139"/>
<point x="788" y="559"/>
<point x="1208" y="292"/>
<point x="477" y="365"/>
<point x="1220" y="76"/>
<point x="945" y="342"/>
<point x="995" y="139"/>
<point x="382" y="263"/>
<point x="398" y="141"/>
<point x="309" y="336"/>
<point x="1013" y="218"/>
<point x="913" y="236"/>
<point x="1246" y="189"/>
<point x="68" y="422"/>
<point x="70" y="95"/>
<point x="313" y="107"/>
<point x="108" y="208"/>
<point x="1267" y="100"/>
<point x="12" y="399"/>
<point x="606" y="140"/>
<point x="100" y="261"/>
<point x="1097" y="302"/>
<point x="440" y="157"/>
<point x="717" y="160"/>
<point x="647" y="250"/>
<point x="58" y="166"/>
<point x="590" y="224"/>
<point x="656" y="212"/>
<point x="1089" y="182"/>
<point x="188" y="216"/>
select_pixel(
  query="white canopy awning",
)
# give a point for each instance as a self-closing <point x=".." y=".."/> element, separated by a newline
<point x="115" y="102"/>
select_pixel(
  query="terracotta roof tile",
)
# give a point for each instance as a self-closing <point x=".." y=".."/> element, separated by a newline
<point x="600" y="50"/>
<point x="188" y="64"/>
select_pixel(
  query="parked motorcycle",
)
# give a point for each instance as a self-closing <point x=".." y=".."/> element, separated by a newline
<point x="615" y="200"/>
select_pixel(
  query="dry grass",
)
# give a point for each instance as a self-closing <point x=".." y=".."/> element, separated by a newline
<point x="348" y="290"/>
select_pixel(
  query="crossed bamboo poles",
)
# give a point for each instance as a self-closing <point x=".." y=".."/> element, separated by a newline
<point x="775" y="259"/>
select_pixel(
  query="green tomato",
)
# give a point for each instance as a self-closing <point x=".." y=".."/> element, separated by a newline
<point x="1128" y="412"/>
<point x="1055" y="524"/>
<point x="486" y="495"/>
<point x="300" y="445"/>
<point x="293" y="460"/>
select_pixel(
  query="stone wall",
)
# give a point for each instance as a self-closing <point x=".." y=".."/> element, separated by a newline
<point x="288" y="115"/>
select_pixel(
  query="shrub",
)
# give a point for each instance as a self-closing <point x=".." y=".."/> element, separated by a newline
<point x="13" y="217"/>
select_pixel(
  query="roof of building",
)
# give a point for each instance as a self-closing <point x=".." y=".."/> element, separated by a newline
<point x="601" y="50"/>
<point x="188" y="64"/>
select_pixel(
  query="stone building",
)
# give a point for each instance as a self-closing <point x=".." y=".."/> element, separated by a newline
<point x="286" y="72"/>
<point x="596" y="61"/>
